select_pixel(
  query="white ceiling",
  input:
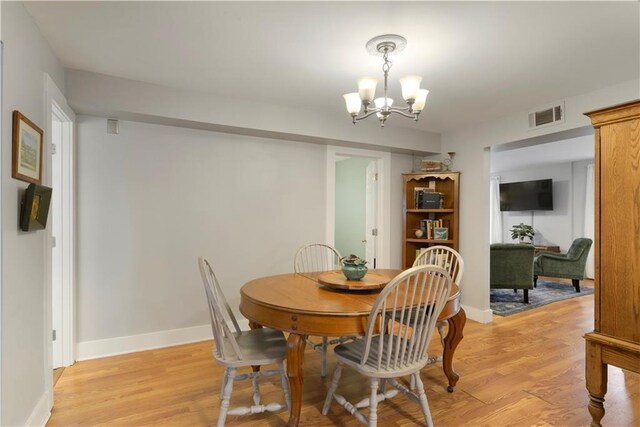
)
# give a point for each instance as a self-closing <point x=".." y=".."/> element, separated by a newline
<point x="480" y="60"/>
<point x="567" y="150"/>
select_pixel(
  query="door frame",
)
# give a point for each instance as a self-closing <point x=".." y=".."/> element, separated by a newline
<point x="56" y="102"/>
<point x="383" y="165"/>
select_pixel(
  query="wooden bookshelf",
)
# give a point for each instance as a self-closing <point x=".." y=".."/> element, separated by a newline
<point x="447" y="185"/>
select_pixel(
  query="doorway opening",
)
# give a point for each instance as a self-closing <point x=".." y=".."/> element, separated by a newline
<point x="62" y="236"/>
<point x="564" y="159"/>
<point x="60" y="331"/>
<point x="358" y="201"/>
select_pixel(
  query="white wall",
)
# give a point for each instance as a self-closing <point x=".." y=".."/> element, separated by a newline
<point x="154" y="198"/>
<point x="472" y="160"/>
<point x="26" y="57"/>
<point x="400" y="164"/>
<point x="554" y="227"/>
<point x="100" y="95"/>
<point x="579" y="180"/>
<point x="351" y="209"/>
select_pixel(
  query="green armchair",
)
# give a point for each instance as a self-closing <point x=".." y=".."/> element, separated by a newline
<point x="511" y="267"/>
<point x="568" y="266"/>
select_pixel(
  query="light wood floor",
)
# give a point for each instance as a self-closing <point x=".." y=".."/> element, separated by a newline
<point x="522" y="370"/>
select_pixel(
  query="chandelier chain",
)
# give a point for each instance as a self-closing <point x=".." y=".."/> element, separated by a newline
<point x="385" y="69"/>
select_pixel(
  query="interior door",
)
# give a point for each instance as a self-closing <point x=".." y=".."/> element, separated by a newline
<point x="371" y="220"/>
<point x="355" y="207"/>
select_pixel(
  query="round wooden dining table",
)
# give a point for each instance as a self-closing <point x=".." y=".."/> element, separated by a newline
<point x="296" y="303"/>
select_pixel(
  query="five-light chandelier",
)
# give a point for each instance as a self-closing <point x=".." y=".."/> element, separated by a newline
<point x="415" y="97"/>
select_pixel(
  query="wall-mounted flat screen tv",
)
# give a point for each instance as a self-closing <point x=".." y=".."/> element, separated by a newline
<point x="527" y="196"/>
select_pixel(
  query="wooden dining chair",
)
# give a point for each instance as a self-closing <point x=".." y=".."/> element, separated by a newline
<point x="317" y="258"/>
<point x="238" y="349"/>
<point x="416" y="297"/>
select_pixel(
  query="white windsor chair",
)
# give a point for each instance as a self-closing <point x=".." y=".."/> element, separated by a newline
<point x="317" y="258"/>
<point x="415" y="297"/>
<point x="450" y="260"/>
<point x="238" y="349"/>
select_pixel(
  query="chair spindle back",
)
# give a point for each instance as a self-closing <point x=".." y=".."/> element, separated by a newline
<point x="445" y="257"/>
<point x="226" y="347"/>
<point x="316" y="257"/>
<point x="406" y="312"/>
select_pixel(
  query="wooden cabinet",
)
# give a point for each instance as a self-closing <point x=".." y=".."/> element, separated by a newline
<point x="422" y="210"/>
<point x="616" y="336"/>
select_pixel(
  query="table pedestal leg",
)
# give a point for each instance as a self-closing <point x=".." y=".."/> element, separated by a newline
<point x="454" y="336"/>
<point x="295" y="356"/>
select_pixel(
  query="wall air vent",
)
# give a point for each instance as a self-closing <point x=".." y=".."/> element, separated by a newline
<point x="546" y="116"/>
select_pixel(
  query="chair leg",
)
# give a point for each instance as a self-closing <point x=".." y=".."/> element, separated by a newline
<point x="526" y="296"/>
<point x="332" y="389"/>
<point x="373" y="403"/>
<point x="424" y="403"/>
<point x="576" y="284"/>
<point x="224" y="382"/>
<point x="325" y="345"/>
<point x="535" y="281"/>
<point x="230" y="375"/>
<point x="285" y="384"/>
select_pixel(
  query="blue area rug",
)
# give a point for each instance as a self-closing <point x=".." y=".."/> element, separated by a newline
<point x="505" y="302"/>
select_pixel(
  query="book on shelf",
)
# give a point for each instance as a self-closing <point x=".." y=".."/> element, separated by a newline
<point x="427" y="198"/>
<point x="429" y="226"/>
<point x="419" y="196"/>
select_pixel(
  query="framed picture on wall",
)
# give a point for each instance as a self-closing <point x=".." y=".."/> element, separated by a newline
<point x="35" y="208"/>
<point x="26" y="160"/>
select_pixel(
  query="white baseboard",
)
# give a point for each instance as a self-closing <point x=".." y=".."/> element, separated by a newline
<point x="41" y="413"/>
<point x="87" y="350"/>
<point x="482" y="316"/>
<point x="128" y="344"/>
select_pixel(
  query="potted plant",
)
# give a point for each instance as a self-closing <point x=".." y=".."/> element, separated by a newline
<point x="522" y="231"/>
<point x="353" y="267"/>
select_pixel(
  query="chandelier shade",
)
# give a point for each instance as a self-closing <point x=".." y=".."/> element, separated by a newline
<point x="421" y="100"/>
<point x="382" y="104"/>
<point x="367" y="88"/>
<point x="414" y="96"/>
<point x="410" y="87"/>
<point x="353" y="102"/>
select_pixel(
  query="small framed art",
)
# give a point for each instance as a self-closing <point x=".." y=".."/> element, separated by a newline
<point x="441" y="233"/>
<point x="35" y="207"/>
<point x="26" y="160"/>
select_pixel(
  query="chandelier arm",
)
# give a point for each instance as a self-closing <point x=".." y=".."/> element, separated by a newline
<point x="370" y="113"/>
<point x="401" y="109"/>
<point x="402" y="113"/>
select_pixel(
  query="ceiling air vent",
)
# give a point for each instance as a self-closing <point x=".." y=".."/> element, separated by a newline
<point x="546" y="116"/>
